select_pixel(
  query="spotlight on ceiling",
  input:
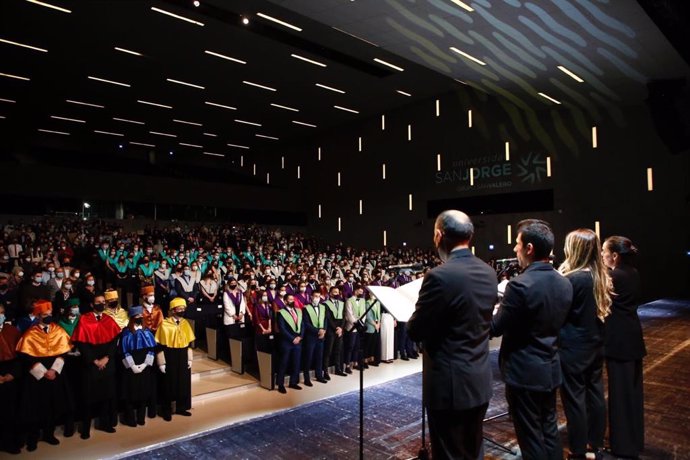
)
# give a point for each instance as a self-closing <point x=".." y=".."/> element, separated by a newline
<point x="245" y="20"/>
<point x="196" y="3"/>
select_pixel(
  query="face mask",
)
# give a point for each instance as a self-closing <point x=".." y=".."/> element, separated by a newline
<point x="2" y="320"/>
<point x="187" y="272"/>
<point x="138" y="321"/>
<point x="150" y="299"/>
<point x="272" y="286"/>
<point x="291" y="304"/>
<point x="68" y="287"/>
<point x="51" y="269"/>
<point x="60" y="275"/>
<point x="179" y="313"/>
<point x="76" y="274"/>
<point x="164" y="266"/>
<point x="74" y="311"/>
<point x="91" y="282"/>
<point x="302" y="289"/>
<point x="20" y="274"/>
<point x="350" y="279"/>
<point x="233" y="286"/>
<point x="264" y="298"/>
<point x="282" y="293"/>
<point x="48" y="319"/>
<point x="38" y="280"/>
<point x="315" y="301"/>
<point x="112" y="304"/>
<point x="99" y="307"/>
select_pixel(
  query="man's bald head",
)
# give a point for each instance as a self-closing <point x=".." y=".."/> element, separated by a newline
<point x="455" y="226"/>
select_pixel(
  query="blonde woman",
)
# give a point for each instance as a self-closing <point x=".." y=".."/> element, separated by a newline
<point x="582" y="342"/>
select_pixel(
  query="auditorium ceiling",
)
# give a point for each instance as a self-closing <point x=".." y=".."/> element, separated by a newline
<point x="169" y="78"/>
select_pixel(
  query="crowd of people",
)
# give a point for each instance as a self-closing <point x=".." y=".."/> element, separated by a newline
<point x="93" y="316"/>
<point x="94" y="324"/>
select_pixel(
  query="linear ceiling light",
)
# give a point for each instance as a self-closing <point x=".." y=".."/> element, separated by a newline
<point x="392" y="66"/>
<point x="237" y="146"/>
<point x="549" y="98"/>
<point x="345" y="109"/>
<point x="310" y="61"/>
<point x="330" y="88"/>
<point x="570" y="74"/>
<point x="214" y="154"/>
<point x="103" y="80"/>
<point x="468" y="56"/>
<point x="355" y="36"/>
<point x="142" y="144"/>
<point x="185" y="83"/>
<point x="266" y="137"/>
<point x="129" y="121"/>
<point x="8" y="100"/>
<point x="85" y="103"/>
<point x="192" y="145"/>
<point x="184" y="122"/>
<point x="463" y="5"/>
<point x="177" y="16"/>
<point x="248" y="123"/>
<point x="403" y="93"/>
<point x="258" y="85"/>
<point x="215" y="104"/>
<point x="210" y="135"/>
<point x="108" y="133"/>
<point x="67" y="119"/>
<point x="285" y="107"/>
<point x="158" y="133"/>
<point x="303" y="123"/>
<point x="48" y="5"/>
<point x="278" y="21"/>
<point x="2" y="40"/>
<point x="223" y="56"/>
<point x="16" y="77"/>
<point x="154" y="104"/>
<point x="53" y="132"/>
<point x="123" y="50"/>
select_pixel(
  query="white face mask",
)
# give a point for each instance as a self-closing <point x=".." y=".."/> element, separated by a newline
<point x="68" y="287"/>
<point x="150" y="299"/>
<point x="264" y="298"/>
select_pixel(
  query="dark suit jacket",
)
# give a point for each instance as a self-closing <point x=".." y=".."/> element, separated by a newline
<point x="623" y="332"/>
<point x="452" y="321"/>
<point x="533" y="309"/>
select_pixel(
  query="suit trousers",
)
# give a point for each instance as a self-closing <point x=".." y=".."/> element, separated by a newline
<point x="333" y="352"/>
<point x="289" y="354"/>
<point x="626" y="407"/>
<point x="584" y="404"/>
<point x="536" y="423"/>
<point x="457" y="434"/>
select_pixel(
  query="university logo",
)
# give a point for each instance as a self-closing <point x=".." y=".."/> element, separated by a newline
<point x="531" y="168"/>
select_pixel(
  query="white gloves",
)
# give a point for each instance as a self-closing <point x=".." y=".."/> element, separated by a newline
<point x="189" y="364"/>
<point x="149" y="359"/>
<point x="162" y="368"/>
<point x="137" y="368"/>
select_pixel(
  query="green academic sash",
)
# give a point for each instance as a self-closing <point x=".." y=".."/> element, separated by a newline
<point x="297" y="328"/>
<point x="320" y="321"/>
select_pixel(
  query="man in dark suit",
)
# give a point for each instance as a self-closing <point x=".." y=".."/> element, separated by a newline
<point x="533" y="309"/>
<point x="291" y="328"/>
<point x="452" y="321"/>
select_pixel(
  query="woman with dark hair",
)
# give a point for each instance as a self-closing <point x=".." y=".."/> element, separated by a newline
<point x="624" y="350"/>
<point x="582" y="342"/>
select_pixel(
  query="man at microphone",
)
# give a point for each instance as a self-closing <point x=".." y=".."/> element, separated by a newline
<point x="452" y="320"/>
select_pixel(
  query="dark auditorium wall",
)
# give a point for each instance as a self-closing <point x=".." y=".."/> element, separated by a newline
<point x="607" y="184"/>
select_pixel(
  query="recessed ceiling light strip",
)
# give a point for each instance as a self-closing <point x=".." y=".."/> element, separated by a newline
<point x="16" y="77"/>
<point x="570" y="74"/>
<point x="53" y="132"/>
<point x="215" y="104"/>
<point x="463" y="5"/>
<point x="258" y="85"/>
<point x="158" y="133"/>
<point x="303" y="123"/>
<point x="67" y="119"/>
<point x="184" y="122"/>
<point x="330" y="88"/>
<point x="179" y="82"/>
<point x="154" y="104"/>
<point x="123" y="50"/>
<point x="177" y="16"/>
<point x="386" y="63"/>
<point x="192" y="145"/>
<point x="143" y="144"/>
<point x="248" y="122"/>
<point x="214" y="154"/>
<point x="223" y="56"/>
<point x="9" y="42"/>
<point x="267" y="137"/>
<point x="310" y="61"/>
<point x="403" y="93"/>
<point x="112" y="82"/>
<point x="8" y="100"/>
<point x="48" y="5"/>
<point x="468" y="56"/>
<point x="355" y="36"/>
<point x="285" y="107"/>
<point x="237" y="146"/>
<point x="549" y="98"/>
<point x="278" y="21"/>
<point x="129" y="121"/>
<point x="210" y="135"/>
<point x="345" y="109"/>
<point x="109" y="133"/>
<point x="88" y="104"/>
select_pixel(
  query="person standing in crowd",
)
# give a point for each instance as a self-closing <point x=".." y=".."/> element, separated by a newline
<point x="30" y="290"/>
<point x="87" y="294"/>
<point x="113" y="308"/>
<point x="355" y="307"/>
<point x="174" y="360"/>
<point x="137" y="346"/>
<point x="96" y="337"/>
<point x="452" y="320"/>
<point x="68" y="320"/>
<point x="624" y="349"/>
<point x="530" y="316"/>
<point x="186" y="287"/>
<point x="263" y="319"/>
<point x="314" y="338"/>
<point x="45" y="397"/>
<point x="10" y="384"/>
<point x="291" y="330"/>
<point x="581" y="345"/>
<point x="152" y="313"/>
<point x="333" y="347"/>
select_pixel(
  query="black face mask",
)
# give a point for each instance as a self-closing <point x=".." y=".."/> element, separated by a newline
<point x="112" y="304"/>
<point x="99" y="307"/>
<point x="179" y="314"/>
<point x="48" y="319"/>
<point x="233" y="286"/>
<point x="138" y="321"/>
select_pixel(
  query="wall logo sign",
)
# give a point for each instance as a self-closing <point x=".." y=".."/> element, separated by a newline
<point x="493" y="172"/>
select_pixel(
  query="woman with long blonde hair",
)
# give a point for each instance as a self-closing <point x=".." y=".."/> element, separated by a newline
<point x="582" y="342"/>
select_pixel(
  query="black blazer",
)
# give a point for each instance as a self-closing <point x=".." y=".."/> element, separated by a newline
<point x="623" y="331"/>
<point x="452" y="321"/>
<point x="533" y="309"/>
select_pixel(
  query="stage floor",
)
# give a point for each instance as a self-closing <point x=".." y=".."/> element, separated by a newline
<point x="322" y="422"/>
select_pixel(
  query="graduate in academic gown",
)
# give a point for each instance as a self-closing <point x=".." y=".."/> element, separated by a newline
<point x="69" y="318"/>
<point x="10" y="373"/>
<point x="137" y="346"/>
<point x="96" y="339"/>
<point x="314" y="338"/>
<point x="45" y="393"/>
<point x="174" y="360"/>
<point x="114" y="310"/>
<point x="152" y="313"/>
